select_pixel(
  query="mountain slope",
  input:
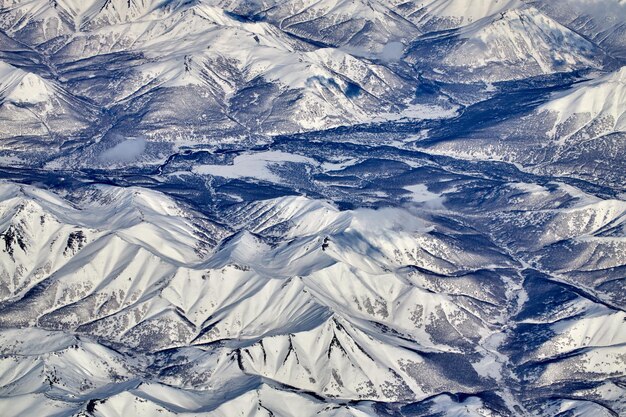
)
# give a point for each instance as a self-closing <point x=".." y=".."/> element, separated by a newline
<point x="577" y="132"/>
<point x="312" y="208"/>
<point x="437" y="15"/>
<point x="600" y="21"/>
<point x="45" y="113"/>
<point x="165" y="71"/>
<point x="592" y="105"/>
<point x="361" y="26"/>
<point x="516" y="44"/>
<point x="305" y="297"/>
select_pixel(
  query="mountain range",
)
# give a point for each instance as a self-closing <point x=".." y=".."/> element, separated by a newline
<point x="341" y="208"/>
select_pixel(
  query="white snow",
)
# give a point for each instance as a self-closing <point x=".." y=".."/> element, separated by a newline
<point x="256" y="165"/>
<point x="420" y="194"/>
<point x="125" y="151"/>
<point x="339" y="165"/>
<point x="463" y="12"/>
<point x="20" y="86"/>
<point x="530" y="188"/>
<point x="519" y="43"/>
<point x="601" y="97"/>
<point x="419" y="112"/>
<point x="296" y="287"/>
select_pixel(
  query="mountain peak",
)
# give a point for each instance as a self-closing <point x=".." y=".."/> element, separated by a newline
<point x="22" y="87"/>
<point x="604" y="97"/>
<point x="515" y="43"/>
<point x="435" y="15"/>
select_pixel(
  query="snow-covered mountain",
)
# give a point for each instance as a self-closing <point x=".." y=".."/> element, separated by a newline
<point x="150" y="67"/>
<point x="514" y="44"/>
<point x="436" y="15"/>
<point x="37" y="113"/>
<point x="600" y="21"/>
<point x="312" y="208"/>
<point x="167" y="72"/>
<point x="597" y="102"/>
<point x="361" y="26"/>
<point x="577" y="132"/>
<point x="294" y="297"/>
